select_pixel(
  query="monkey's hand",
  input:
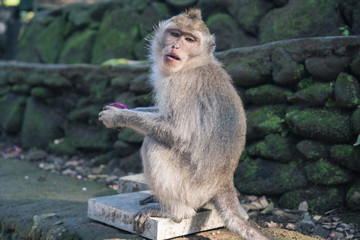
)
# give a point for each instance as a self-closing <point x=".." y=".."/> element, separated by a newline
<point x="113" y="117"/>
<point x="150" y="210"/>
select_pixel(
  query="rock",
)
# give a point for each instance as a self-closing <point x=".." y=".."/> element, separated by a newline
<point x="320" y="20"/>
<point x="77" y="47"/>
<point x="267" y="94"/>
<point x="347" y="91"/>
<point x="312" y="150"/>
<point x="123" y="148"/>
<point x="249" y="13"/>
<point x="326" y="173"/>
<point x="41" y="93"/>
<point x="346" y="155"/>
<point x="315" y="95"/>
<point x="285" y="69"/>
<point x="265" y="120"/>
<point x="116" y="38"/>
<point x="13" y="107"/>
<point x="41" y="125"/>
<point x="226" y="29"/>
<point x="355" y="66"/>
<point x="320" y="231"/>
<point x="323" y="125"/>
<point x="36" y="155"/>
<point x="326" y="68"/>
<point x="180" y="5"/>
<point x="56" y="82"/>
<point x="303" y="206"/>
<point x="307" y="225"/>
<point x="140" y="84"/>
<point x="320" y="199"/>
<point x="121" y="83"/>
<point x="353" y="196"/>
<point x="281" y="216"/>
<point x="258" y="176"/>
<point x="274" y="147"/>
<point x="355" y="119"/>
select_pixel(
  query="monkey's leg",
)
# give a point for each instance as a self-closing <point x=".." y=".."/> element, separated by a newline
<point x="226" y="204"/>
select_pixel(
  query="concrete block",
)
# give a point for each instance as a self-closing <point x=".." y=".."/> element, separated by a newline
<point x="132" y="183"/>
<point x="119" y="210"/>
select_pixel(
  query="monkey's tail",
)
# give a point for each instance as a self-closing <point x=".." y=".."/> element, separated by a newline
<point x="226" y="203"/>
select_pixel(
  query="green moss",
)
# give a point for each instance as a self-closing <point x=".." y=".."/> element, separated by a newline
<point x="41" y="92"/>
<point x="267" y="94"/>
<point x="87" y="115"/>
<point x="35" y="78"/>
<point x="347" y="91"/>
<point x="326" y="173"/>
<point x="306" y="82"/>
<point x="346" y="155"/>
<point x="322" y="125"/>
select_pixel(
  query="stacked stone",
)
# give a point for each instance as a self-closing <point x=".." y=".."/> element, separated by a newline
<point x="302" y="101"/>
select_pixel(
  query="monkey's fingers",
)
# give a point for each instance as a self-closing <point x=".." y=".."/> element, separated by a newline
<point x="139" y="222"/>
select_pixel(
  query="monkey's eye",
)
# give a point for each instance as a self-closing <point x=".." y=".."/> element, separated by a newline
<point x="175" y="34"/>
<point x="190" y="39"/>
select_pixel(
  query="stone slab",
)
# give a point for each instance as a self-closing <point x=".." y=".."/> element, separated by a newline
<point x="132" y="183"/>
<point x="119" y="210"/>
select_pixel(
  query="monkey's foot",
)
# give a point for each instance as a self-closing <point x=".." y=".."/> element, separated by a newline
<point x="150" y="210"/>
<point x="149" y="199"/>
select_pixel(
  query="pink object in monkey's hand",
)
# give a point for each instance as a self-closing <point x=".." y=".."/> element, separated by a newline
<point x="119" y="105"/>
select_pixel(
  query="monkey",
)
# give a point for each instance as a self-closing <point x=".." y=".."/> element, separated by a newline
<point x="195" y="133"/>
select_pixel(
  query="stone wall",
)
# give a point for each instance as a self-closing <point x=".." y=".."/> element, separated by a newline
<point x="302" y="100"/>
<point x="83" y="33"/>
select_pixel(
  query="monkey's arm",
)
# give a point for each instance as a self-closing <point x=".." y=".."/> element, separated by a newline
<point x="146" y="109"/>
<point x="146" y="123"/>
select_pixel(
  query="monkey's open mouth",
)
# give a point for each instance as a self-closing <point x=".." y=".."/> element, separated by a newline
<point x="172" y="56"/>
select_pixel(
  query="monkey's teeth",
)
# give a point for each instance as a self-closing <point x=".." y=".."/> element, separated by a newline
<point x="174" y="57"/>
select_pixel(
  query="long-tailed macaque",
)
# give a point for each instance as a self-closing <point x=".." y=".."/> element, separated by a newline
<point x="196" y="134"/>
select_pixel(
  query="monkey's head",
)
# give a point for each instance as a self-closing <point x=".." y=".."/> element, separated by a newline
<point x="182" y="42"/>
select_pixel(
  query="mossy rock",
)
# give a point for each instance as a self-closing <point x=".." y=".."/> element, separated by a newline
<point x="285" y="70"/>
<point x="226" y="30"/>
<point x="35" y="78"/>
<point x="56" y="82"/>
<point x="313" y="150"/>
<point x="315" y="95"/>
<point x="299" y="19"/>
<point x="16" y="77"/>
<point x="305" y="83"/>
<point x="319" y="199"/>
<point x="355" y="66"/>
<point x="326" y="173"/>
<point x="27" y="38"/>
<point x="274" y="147"/>
<point x="355" y="119"/>
<point x="347" y="91"/>
<point x="180" y="5"/>
<point x="85" y="138"/>
<point x="121" y="83"/>
<point x="4" y="90"/>
<point x="79" y="15"/>
<point x="353" y="197"/>
<point x="41" y="93"/>
<point x="41" y="125"/>
<point x="4" y="77"/>
<point x="248" y="13"/>
<point x="258" y="176"/>
<point x="131" y="163"/>
<point x="88" y="114"/>
<point x="21" y="88"/>
<point x="326" y="68"/>
<point x="12" y="107"/>
<point x="49" y="41"/>
<point x="77" y="48"/>
<point x="323" y="125"/>
<point x="265" y="120"/>
<point x="249" y="71"/>
<point x="140" y="84"/>
<point x="346" y="155"/>
<point x="144" y="100"/>
<point x="267" y="94"/>
<point x="116" y="38"/>
<point x="128" y="135"/>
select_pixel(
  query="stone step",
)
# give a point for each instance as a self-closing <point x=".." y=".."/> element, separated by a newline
<point x="132" y="183"/>
<point x="119" y="210"/>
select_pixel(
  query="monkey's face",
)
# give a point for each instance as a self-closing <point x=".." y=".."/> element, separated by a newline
<point x="181" y="49"/>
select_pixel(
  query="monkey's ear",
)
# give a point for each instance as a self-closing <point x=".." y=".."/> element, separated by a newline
<point x="194" y="13"/>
